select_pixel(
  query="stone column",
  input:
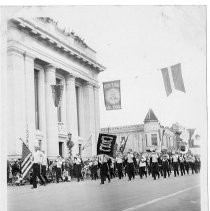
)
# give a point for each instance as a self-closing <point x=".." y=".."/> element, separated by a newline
<point x="51" y="114"/>
<point x="71" y="111"/>
<point x="30" y="98"/>
<point x="89" y="117"/>
<point x="42" y="106"/>
<point x="97" y="119"/>
<point x="16" y="116"/>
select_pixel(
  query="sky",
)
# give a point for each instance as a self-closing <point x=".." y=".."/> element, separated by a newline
<point x="133" y="43"/>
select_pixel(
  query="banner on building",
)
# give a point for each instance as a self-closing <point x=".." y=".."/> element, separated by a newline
<point x="172" y="78"/>
<point x="57" y="91"/>
<point x="106" y="144"/>
<point x="112" y="95"/>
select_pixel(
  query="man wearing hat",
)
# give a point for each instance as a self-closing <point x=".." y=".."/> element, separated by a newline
<point x="175" y="163"/>
<point x="130" y="165"/>
<point x="95" y="168"/>
<point x="37" y="160"/>
<point x="44" y="166"/>
<point x="165" y="164"/>
<point x="119" y="163"/>
<point x="78" y="167"/>
<point x="104" y="168"/>
<point x="59" y="162"/>
<point x="154" y="164"/>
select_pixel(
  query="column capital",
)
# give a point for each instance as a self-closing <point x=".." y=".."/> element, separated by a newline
<point x="88" y="83"/>
<point x="70" y="76"/>
<point x="50" y="67"/>
<point x="50" y="74"/>
<point x="70" y="79"/>
<point x="28" y="56"/>
<point x="96" y="86"/>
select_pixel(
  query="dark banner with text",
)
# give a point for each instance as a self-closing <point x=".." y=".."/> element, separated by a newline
<point x="106" y="144"/>
<point x="112" y="95"/>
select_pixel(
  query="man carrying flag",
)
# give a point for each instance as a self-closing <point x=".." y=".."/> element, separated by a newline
<point x="37" y="160"/>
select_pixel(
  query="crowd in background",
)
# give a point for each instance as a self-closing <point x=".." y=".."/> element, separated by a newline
<point x="128" y="164"/>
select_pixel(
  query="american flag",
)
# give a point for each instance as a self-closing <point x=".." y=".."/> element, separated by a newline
<point x="26" y="163"/>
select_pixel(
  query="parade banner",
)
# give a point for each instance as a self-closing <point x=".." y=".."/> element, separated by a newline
<point x="112" y="95"/>
<point x="172" y="78"/>
<point x="106" y="144"/>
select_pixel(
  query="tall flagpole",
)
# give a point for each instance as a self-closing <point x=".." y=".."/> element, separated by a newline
<point x="26" y="106"/>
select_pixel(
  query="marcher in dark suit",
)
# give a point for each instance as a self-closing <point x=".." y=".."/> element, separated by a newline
<point x="181" y="164"/>
<point x="186" y="164"/>
<point x="78" y="167"/>
<point x="165" y="165"/>
<point x="95" y="168"/>
<point x="104" y="169"/>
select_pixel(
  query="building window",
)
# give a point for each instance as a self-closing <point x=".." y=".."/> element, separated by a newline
<point x="78" y="117"/>
<point x="61" y="149"/>
<point x="154" y="139"/>
<point x="146" y="140"/>
<point x="59" y="116"/>
<point x="40" y="144"/>
<point x="36" y="90"/>
<point x="80" y="149"/>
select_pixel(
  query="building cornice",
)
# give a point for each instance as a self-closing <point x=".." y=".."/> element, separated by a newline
<point x="53" y="40"/>
<point x="126" y="128"/>
<point x="20" y="48"/>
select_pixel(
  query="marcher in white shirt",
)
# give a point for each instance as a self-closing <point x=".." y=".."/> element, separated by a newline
<point x="154" y="165"/>
<point x="44" y="166"/>
<point x="78" y="167"/>
<point x="119" y="165"/>
<point x="142" y="166"/>
<point x="37" y="160"/>
<point x="130" y="165"/>
<point x="58" y="169"/>
<point x="175" y="160"/>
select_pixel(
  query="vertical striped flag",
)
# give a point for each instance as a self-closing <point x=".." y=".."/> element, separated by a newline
<point x="172" y="78"/>
<point x="123" y="144"/>
<point x="26" y="163"/>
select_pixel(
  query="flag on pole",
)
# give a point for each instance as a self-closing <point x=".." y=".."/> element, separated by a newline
<point x="88" y="142"/>
<point x="26" y="163"/>
<point x="172" y="78"/>
<point x="191" y="132"/>
<point x="112" y="95"/>
<point x="123" y="144"/>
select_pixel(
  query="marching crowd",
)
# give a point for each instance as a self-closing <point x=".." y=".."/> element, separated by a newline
<point x="101" y="166"/>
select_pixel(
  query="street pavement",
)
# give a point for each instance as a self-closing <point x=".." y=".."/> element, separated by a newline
<point x="170" y="194"/>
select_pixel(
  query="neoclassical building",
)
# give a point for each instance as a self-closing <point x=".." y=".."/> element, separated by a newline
<point x="141" y="137"/>
<point x="39" y="55"/>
